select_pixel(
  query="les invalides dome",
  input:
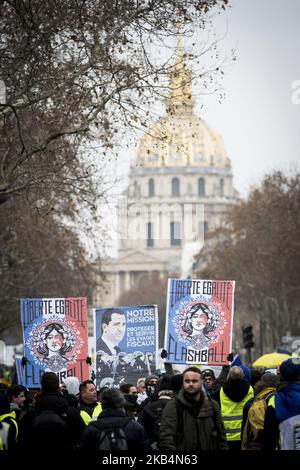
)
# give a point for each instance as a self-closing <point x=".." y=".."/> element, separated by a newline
<point x="180" y="187"/>
<point x="180" y="138"/>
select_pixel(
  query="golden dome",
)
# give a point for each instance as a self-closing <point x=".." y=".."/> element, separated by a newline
<point x="180" y="138"/>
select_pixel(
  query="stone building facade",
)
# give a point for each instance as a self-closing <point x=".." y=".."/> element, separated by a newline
<point x="180" y="186"/>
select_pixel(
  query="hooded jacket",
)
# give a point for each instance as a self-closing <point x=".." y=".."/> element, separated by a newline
<point x="199" y="428"/>
<point x="52" y="401"/>
<point x="236" y="390"/>
<point x="72" y="384"/>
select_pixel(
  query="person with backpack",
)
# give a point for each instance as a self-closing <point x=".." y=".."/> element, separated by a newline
<point x="253" y="427"/>
<point x="113" y="430"/>
<point x="52" y="423"/>
<point x="192" y="420"/>
<point x="282" y="420"/>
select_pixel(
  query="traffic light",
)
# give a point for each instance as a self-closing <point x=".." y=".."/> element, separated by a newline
<point x="248" y="336"/>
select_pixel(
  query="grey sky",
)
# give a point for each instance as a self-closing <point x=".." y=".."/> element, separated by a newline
<point x="259" y="123"/>
<point x="257" y="120"/>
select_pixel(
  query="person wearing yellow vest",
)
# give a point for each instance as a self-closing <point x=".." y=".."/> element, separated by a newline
<point x="89" y="407"/>
<point x="10" y="435"/>
<point x="234" y="394"/>
<point x="253" y="429"/>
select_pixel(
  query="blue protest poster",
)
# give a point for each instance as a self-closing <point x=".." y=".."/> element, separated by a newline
<point x="126" y="344"/>
<point x="55" y="333"/>
<point x="199" y="321"/>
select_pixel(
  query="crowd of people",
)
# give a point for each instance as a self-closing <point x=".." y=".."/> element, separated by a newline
<point x="241" y="409"/>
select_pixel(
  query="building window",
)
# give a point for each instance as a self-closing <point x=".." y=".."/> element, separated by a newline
<point x="175" y="187"/>
<point x="151" y="187"/>
<point x="201" y="187"/>
<point x="175" y="229"/>
<point x="221" y="187"/>
<point x="150" y="239"/>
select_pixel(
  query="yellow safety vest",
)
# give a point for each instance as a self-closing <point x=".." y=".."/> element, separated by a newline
<point x="232" y="414"/>
<point x="4" y="429"/>
<point x="271" y="402"/>
<point x="12" y="416"/>
<point x="87" y="418"/>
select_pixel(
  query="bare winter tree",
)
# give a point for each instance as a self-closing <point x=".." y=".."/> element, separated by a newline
<point x="39" y="257"/>
<point x="73" y="67"/>
<point x="71" y="73"/>
<point x="259" y="248"/>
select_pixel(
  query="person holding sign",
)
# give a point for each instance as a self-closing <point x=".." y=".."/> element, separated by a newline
<point x="192" y="421"/>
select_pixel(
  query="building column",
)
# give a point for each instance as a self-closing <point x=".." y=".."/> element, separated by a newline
<point x="127" y="280"/>
<point x="117" y="293"/>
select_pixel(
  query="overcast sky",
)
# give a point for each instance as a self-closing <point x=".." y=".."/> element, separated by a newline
<point x="257" y="120"/>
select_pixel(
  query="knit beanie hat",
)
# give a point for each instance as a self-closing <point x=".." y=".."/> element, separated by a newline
<point x="176" y="382"/>
<point x="164" y="383"/>
<point x="290" y="370"/>
<point x="50" y="382"/>
<point x="150" y="389"/>
<point x="150" y="377"/>
<point x="208" y="373"/>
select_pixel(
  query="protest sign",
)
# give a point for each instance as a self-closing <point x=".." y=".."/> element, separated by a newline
<point x="126" y="342"/>
<point x="55" y="333"/>
<point x="199" y="321"/>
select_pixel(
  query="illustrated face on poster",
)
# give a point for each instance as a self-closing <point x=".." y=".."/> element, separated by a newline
<point x="199" y="321"/>
<point x="55" y="339"/>
<point x="199" y="324"/>
<point x="55" y="344"/>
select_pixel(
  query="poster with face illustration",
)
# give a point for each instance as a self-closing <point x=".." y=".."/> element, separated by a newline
<point x="199" y="321"/>
<point x="55" y="332"/>
<point x="126" y="344"/>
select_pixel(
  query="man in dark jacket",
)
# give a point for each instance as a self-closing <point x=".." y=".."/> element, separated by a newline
<point x="150" y="416"/>
<point x="113" y="412"/>
<point x="150" y="384"/>
<point x="192" y="421"/>
<point x="52" y="423"/>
